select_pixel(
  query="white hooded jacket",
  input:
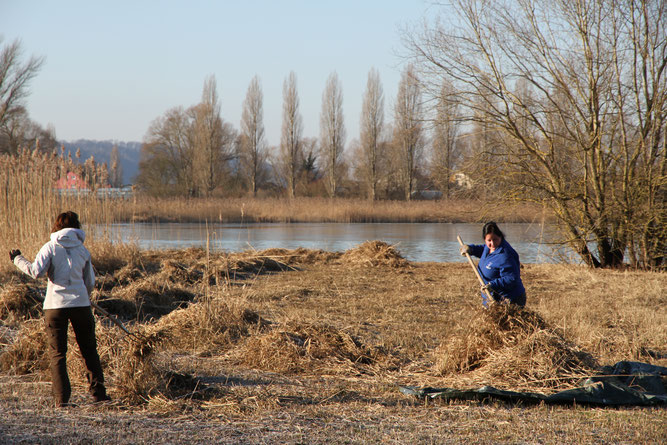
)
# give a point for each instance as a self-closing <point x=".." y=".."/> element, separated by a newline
<point x="68" y="266"/>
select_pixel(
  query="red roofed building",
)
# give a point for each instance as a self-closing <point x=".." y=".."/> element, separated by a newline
<point x="71" y="182"/>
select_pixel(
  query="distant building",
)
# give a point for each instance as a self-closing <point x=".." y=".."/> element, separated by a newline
<point x="125" y="192"/>
<point x="462" y="180"/>
<point x="74" y="185"/>
<point x="71" y="182"/>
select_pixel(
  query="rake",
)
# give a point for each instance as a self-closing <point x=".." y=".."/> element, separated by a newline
<point x="474" y="268"/>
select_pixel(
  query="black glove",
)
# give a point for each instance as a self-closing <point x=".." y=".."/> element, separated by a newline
<point x="14" y="253"/>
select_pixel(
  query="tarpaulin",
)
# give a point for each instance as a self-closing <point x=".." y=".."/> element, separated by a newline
<point x="626" y="383"/>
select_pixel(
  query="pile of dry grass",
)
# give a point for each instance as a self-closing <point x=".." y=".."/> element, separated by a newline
<point x="19" y="301"/>
<point x="23" y="340"/>
<point x="375" y="253"/>
<point x="130" y="272"/>
<point x="206" y="327"/>
<point x="136" y="368"/>
<point x="28" y="352"/>
<point x="135" y="365"/>
<point x="109" y="257"/>
<point x="149" y="299"/>
<point x="143" y="290"/>
<point x="132" y="366"/>
<point x="300" y="255"/>
<point x="196" y="268"/>
<point x="175" y="271"/>
<point x="246" y="264"/>
<point x="301" y="347"/>
<point x="129" y="363"/>
<point x="512" y="346"/>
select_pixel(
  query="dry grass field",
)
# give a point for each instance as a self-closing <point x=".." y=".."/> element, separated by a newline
<point x="311" y="347"/>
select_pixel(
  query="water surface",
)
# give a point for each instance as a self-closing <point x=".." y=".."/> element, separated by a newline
<point x="415" y="241"/>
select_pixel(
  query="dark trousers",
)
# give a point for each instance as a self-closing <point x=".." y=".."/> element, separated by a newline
<point x="83" y="323"/>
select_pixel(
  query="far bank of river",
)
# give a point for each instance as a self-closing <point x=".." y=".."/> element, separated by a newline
<point x="416" y="241"/>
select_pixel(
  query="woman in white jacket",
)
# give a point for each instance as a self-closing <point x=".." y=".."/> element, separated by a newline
<point x="67" y="264"/>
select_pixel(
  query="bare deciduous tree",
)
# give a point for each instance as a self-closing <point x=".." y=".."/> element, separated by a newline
<point x="166" y="155"/>
<point x="371" y="134"/>
<point x="15" y="76"/>
<point x="408" y="138"/>
<point x="213" y="141"/>
<point x="589" y="137"/>
<point x="252" y="134"/>
<point x="445" y="138"/>
<point x="332" y="132"/>
<point x="290" y="138"/>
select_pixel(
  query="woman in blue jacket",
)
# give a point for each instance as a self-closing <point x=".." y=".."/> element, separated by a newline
<point x="499" y="266"/>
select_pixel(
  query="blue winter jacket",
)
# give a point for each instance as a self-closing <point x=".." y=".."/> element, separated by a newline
<point x="501" y="271"/>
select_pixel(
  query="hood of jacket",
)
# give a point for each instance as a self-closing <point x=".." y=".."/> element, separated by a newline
<point x="68" y="237"/>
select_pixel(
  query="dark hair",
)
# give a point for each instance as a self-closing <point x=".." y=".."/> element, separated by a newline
<point x="66" y="220"/>
<point x="492" y="227"/>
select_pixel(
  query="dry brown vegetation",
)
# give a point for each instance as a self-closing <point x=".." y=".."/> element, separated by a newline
<point x="29" y="204"/>
<point x="311" y="346"/>
<point x="322" y="210"/>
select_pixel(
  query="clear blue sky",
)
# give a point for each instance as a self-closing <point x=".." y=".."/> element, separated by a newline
<point x="113" y="67"/>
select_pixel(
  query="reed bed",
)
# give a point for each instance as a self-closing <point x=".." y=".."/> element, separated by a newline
<point x="339" y="210"/>
<point x="29" y="202"/>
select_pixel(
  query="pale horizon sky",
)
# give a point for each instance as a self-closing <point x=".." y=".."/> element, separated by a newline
<point x="111" y="68"/>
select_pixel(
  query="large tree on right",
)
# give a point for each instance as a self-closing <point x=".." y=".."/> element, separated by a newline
<point x="576" y="90"/>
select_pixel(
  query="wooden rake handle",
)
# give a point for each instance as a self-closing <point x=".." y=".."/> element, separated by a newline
<point x="115" y="321"/>
<point x="474" y="268"/>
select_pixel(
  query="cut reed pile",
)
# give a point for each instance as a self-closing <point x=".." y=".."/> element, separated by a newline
<point x="513" y="347"/>
<point x="206" y="328"/>
<point x="135" y="366"/>
<point x="300" y="256"/>
<point x="138" y="369"/>
<point x="375" y="253"/>
<point x="19" y="301"/>
<point x="27" y="353"/>
<point x="109" y="257"/>
<point x="139" y="286"/>
<point x="296" y="347"/>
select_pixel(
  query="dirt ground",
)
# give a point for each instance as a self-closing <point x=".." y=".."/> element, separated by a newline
<point x="311" y="347"/>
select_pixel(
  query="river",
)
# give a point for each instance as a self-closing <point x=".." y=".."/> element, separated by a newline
<point x="415" y="241"/>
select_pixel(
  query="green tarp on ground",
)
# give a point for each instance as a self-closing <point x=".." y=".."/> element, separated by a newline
<point x="626" y="383"/>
